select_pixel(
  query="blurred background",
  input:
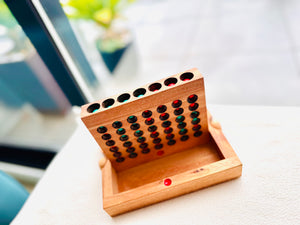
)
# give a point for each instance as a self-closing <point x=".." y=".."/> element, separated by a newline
<point x="56" y="56"/>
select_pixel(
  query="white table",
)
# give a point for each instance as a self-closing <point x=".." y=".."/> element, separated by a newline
<point x="267" y="140"/>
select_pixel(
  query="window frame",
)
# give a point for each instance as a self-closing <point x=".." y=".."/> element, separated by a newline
<point x="45" y="38"/>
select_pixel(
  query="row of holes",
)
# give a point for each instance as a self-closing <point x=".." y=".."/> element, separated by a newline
<point x="140" y="92"/>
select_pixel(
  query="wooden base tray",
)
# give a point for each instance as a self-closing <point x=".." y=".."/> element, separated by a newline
<point x="170" y="176"/>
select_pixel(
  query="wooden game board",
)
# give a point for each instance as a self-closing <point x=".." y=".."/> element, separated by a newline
<point x="159" y="142"/>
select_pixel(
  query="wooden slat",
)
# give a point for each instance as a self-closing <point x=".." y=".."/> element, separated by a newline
<point x="183" y="183"/>
<point x="109" y="180"/>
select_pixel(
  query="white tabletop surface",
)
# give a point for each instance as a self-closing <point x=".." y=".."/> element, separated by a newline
<point x="267" y="140"/>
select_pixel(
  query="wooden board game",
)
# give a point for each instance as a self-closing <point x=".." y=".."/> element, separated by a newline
<point x="159" y="142"/>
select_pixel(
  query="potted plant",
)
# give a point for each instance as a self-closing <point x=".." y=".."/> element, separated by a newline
<point x="115" y="40"/>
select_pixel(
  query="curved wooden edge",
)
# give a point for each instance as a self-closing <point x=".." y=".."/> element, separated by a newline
<point x="218" y="136"/>
<point x="102" y="162"/>
<point x="215" y="124"/>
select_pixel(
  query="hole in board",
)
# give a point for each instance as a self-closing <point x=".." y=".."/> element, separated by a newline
<point x="139" y="92"/>
<point x="170" y="81"/>
<point x="123" y="97"/>
<point x="154" y="87"/>
<point x="186" y="76"/>
<point x="93" y="108"/>
<point x="108" y="103"/>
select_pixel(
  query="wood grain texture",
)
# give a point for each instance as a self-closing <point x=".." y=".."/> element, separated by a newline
<point x="188" y="165"/>
<point x="109" y="180"/>
<point x="182" y="183"/>
<point x="189" y="171"/>
<point x="150" y="101"/>
<point x="168" y="166"/>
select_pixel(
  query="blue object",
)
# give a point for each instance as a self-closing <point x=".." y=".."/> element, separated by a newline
<point x="21" y="79"/>
<point x="111" y="59"/>
<point x="12" y="197"/>
<point x="35" y="29"/>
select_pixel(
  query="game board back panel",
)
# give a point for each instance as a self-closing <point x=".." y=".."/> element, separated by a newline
<point x="124" y="125"/>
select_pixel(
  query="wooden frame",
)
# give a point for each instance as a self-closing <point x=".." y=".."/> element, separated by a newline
<point x="105" y="116"/>
<point x="187" y="151"/>
<point x="216" y="163"/>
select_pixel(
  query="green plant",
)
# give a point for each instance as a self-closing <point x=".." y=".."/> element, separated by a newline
<point x="103" y="12"/>
<point x="6" y="18"/>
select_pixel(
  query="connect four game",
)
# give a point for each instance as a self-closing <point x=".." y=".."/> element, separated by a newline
<point x="159" y="142"/>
